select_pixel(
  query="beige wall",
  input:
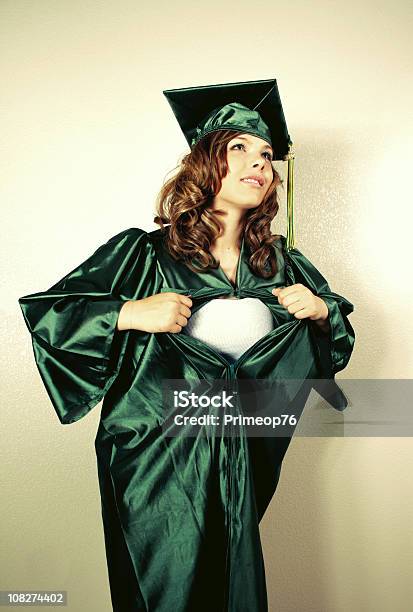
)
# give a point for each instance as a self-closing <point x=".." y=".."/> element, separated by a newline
<point x="88" y="138"/>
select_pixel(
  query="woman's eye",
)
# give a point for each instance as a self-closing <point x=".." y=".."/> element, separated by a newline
<point x="266" y="153"/>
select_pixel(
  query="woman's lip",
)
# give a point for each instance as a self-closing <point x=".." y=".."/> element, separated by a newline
<point x="252" y="184"/>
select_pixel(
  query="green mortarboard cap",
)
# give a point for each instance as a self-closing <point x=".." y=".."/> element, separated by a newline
<point x="252" y="107"/>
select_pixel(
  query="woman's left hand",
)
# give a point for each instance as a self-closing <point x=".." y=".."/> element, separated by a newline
<point x="301" y="302"/>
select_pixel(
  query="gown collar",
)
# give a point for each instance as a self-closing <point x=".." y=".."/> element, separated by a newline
<point x="177" y="276"/>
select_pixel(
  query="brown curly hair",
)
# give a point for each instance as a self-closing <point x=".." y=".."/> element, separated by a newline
<point x="184" y="203"/>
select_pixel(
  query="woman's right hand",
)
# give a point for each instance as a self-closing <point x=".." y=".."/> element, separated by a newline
<point x="162" y="312"/>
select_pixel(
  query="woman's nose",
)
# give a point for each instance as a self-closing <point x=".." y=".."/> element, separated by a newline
<point x="258" y="162"/>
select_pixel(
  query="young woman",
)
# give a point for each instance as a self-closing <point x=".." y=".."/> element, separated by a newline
<point x="247" y="198"/>
<point x="211" y="294"/>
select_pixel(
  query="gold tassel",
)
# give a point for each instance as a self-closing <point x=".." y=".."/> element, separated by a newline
<point x="290" y="197"/>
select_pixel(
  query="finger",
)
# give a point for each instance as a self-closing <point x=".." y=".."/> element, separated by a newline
<point x="276" y="290"/>
<point x="175" y="329"/>
<point x="292" y="298"/>
<point x="181" y="320"/>
<point x="184" y="310"/>
<point x="302" y="314"/>
<point x="285" y="298"/>
<point x="297" y="288"/>
<point x="185" y="299"/>
<point x="284" y="291"/>
<point x="295" y="307"/>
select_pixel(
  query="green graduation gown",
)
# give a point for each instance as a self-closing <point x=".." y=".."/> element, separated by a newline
<point x="180" y="514"/>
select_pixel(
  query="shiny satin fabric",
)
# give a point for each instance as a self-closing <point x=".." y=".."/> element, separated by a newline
<point x="181" y="514"/>
<point x="234" y="116"/>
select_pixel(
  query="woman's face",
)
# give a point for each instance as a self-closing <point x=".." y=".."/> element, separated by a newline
<point x="247" y="156"/>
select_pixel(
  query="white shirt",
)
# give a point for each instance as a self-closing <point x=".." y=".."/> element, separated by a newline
<point x="230" y="326"/>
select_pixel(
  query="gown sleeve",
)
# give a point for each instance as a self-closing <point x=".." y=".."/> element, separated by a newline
<point x="335" y="348"/>
<point x="73" y="325"/>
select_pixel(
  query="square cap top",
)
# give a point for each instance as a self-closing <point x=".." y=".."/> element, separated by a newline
<point x="252" y="107"/>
